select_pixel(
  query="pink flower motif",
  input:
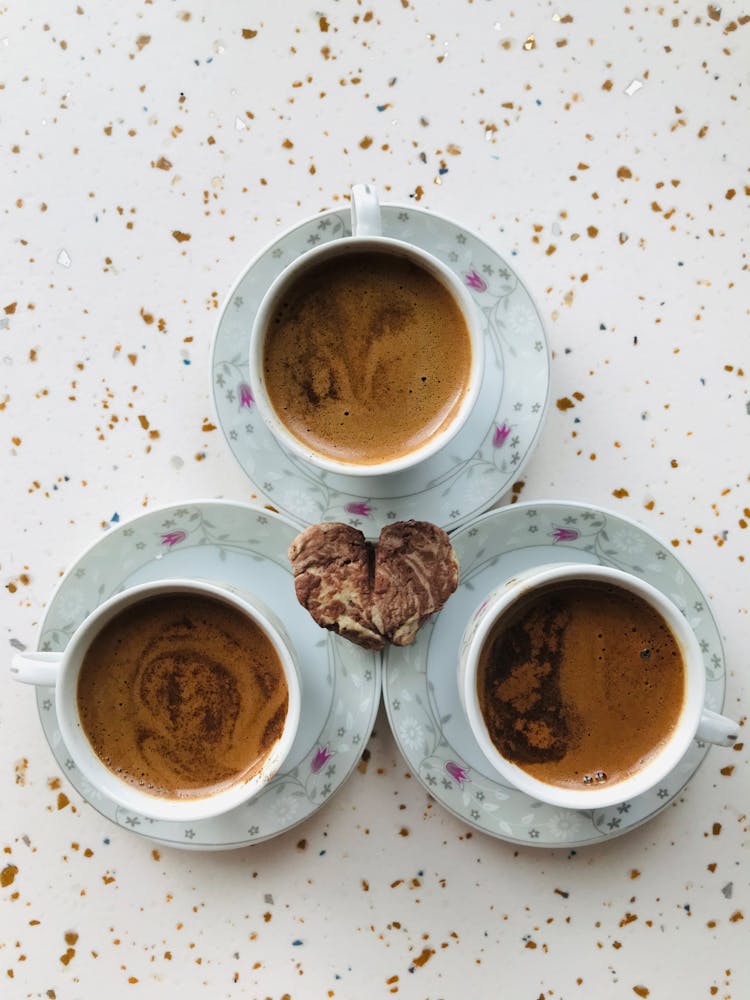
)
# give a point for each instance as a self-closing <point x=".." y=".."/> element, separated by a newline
<point x="501" y="435"/>
<point x="322" y="755"/>
<point x="481" y="608"/>
<point x="564" y="534"/>
<point x="172" y="538"/>
<point x="457" y="772"/>
<point x="476" y="281"/>
<point x="360" y="507"/>
<point x="246" y="396"/>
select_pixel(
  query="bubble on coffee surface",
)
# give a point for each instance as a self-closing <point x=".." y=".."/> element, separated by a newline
<point x="598" y="777"/>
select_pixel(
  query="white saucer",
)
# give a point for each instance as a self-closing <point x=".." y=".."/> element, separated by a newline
<point x="420" y="685"/>
<point x="246" y="547"/>
<point x="486" y="456"/>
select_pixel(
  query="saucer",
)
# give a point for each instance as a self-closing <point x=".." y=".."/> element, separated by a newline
<point x="420" y="681"/>
<point x="487" y="455"/>
<point x="245" y="547"/>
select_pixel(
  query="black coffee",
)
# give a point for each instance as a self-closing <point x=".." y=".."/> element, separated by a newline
<point x="581" y="683"/>
<point x="367" y="358"/>
<point x="182" y="696"/>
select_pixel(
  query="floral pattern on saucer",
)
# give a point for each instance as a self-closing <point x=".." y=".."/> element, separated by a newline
<point x="244" y="547"/>
<point x="420" y="682"/>
<point x="487" y="454"/>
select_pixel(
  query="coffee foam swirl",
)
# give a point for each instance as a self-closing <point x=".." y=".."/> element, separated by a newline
<point x="367" y="357"/>
<point x="182" y="695"/>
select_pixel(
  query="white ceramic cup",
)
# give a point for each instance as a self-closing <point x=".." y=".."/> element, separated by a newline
<point x="366" y="237"/>
<point x="694" y="722"/>
<point x="62" y="670"/>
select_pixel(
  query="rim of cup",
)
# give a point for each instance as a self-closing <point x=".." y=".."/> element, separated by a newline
<point x="104" y="780"/>
<point x="661" y="763"/>
<point x="363" y="244"/>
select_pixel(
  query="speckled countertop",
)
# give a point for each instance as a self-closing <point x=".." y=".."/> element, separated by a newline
<point x="149" y="151"/>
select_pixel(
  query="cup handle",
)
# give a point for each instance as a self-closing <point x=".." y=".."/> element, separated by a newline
<point x="36" y="668"/>
<point x="718" y="729"/>
<point x="365" y="211"/>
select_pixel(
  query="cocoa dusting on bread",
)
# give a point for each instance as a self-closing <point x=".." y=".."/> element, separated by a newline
<point x="373" y="593"/>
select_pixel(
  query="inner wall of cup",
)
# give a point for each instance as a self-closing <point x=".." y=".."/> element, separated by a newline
<point x="344" y="247"/>
<point x="685" y="726"/>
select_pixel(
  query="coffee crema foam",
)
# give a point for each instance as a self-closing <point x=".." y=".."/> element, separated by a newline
<point x="580" y="684"/>
<point x="367" y="357"/>
<point x="182" y="696"/>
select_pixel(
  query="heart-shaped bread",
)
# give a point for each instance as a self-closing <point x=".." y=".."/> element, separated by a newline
<point x="373" y="593"/>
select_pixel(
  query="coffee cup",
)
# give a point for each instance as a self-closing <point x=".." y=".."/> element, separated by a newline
<point x="367" y="352"/>
<point x="178" y="699"/>
<point x="583" y="685"/>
